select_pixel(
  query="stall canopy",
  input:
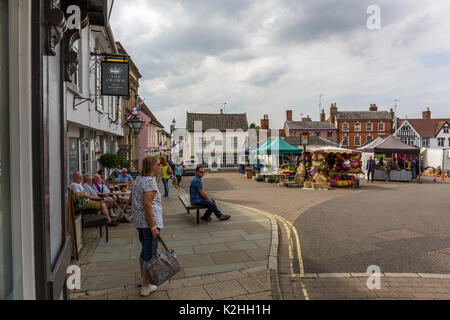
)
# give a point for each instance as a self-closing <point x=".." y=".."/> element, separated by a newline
<point x="331" y="150"/>
<point x="277" y="146"/>
<point x="371" y="145"/>
<point x="393" y="145"/>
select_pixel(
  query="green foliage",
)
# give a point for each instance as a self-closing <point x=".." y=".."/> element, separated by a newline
<point x="78" y="202"/>
<point x="110" y="160"/>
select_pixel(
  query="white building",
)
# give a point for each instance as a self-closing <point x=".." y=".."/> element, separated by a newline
<point x="432" y="135"/>
<point x="216" y="140"/>
<point x="93" y="121"/>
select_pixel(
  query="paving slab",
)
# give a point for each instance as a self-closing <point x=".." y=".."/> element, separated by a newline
<point x="209" y="253"/>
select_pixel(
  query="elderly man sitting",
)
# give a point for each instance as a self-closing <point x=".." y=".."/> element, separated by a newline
<point x="91" y="202"/>
<point x="124" y="176"/>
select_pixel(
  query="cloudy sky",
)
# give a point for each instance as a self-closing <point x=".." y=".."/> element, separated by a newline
<point x="268" y="56"/>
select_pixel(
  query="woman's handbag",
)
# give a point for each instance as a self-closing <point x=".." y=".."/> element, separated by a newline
<point x="162" y="267"/>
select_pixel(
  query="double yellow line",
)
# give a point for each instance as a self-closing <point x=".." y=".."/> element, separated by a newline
<point x="290" y="229"/>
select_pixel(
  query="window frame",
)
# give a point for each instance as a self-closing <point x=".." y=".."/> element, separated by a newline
<point x="383" y="125"/>
<point x="371" y="127"/>
<point x="360" y="140"/>
<point x="357" y="127"/>
<point x="345" y="127"/>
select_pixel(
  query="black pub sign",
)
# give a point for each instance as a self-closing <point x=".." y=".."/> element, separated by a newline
<point x="115" y="79"/>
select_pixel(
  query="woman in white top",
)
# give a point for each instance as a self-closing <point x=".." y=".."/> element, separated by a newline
<point x="147" y="214"/>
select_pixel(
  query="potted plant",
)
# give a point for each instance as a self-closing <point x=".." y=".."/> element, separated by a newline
<point x="110" y="161"/>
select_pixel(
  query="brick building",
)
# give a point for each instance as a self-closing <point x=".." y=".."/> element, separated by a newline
<point x="357" y="128"/>
<point x="322" y="128"/>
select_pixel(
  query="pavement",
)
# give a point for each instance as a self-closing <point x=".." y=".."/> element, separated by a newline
<point x="329" y="238"/>
<point x="220" y="259"/>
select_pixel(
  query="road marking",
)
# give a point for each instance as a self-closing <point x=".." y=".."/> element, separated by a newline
<point x="288" y="227"/>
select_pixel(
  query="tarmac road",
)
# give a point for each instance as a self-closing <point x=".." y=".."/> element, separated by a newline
<point x="404" y="229"/>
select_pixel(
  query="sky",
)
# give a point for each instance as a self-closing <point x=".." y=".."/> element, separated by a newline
<point x="269" y="56"/>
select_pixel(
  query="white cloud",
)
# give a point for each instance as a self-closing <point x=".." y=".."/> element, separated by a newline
<point x="267" y="56"/>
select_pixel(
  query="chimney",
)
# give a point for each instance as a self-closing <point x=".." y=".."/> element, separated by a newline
<point x="265" y="122"/>
<point x="307" y="119"/>
<point x="426" y="115"/>
<point x="392" y="113"/>
<point x="373" y="107"/>
<point x="322" y="116"/>
<point x="289" y="115"/>
<point x="333" y="111"/>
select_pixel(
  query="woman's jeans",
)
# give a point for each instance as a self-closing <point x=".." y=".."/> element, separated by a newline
<point x="166" y="187"/>
<point x="178" y="179"/>
<point x="149" y="245"/>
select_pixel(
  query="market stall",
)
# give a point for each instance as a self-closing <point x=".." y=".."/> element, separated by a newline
<point x="394" y="153"/>
<point x="272" y="151"/>
<point x="329" y="167"/>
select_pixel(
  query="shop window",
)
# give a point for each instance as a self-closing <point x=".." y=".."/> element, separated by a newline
<point x="330" y="134"/>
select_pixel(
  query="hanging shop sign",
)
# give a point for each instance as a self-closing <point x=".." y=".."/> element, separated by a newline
<point x="115" y="79"/>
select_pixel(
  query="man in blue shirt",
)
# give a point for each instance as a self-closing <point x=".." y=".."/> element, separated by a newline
<point x="199" y="197"/>
<point x="124" y="176"/>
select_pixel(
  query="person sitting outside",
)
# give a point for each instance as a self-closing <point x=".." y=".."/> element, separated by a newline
<point x="102" y="177"/>
<point x="91" y="191"/>
<point x="199" y="197"/>
<point x="104" y="192"/>
<point x="89" y="202"/>
<point x="125" y="177"/>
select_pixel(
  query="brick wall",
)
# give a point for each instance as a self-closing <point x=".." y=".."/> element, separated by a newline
<point x="363" y="133"/>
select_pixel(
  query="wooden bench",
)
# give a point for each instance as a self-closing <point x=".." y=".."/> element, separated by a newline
<point x="90" y="218"/>
<point x="186" y="201"/>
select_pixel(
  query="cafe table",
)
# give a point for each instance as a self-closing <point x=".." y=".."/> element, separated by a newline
<point x="122" y="205"/>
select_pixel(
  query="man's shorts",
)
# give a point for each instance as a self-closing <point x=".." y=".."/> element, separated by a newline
<point x="92" y="205"/>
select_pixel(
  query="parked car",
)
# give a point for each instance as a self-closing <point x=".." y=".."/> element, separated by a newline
<point x="189" y="167"/>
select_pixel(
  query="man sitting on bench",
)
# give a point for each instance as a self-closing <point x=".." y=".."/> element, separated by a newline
<point x="199" y="197"/>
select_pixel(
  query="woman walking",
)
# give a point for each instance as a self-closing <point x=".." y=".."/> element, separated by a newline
<point x="165" y="175"/>
<point x="147" y="213"/>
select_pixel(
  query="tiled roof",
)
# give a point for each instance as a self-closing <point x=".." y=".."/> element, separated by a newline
<point x="313" y="141"/>
<point x="424" y="127"/>
<point x="363" y="115"/>
<point x="154" y="121"/>
<point x="221" y="121"/>
<point x="309" y="125"/>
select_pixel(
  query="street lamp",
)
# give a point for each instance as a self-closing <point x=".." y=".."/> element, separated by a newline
<point x="136" y="125"/>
